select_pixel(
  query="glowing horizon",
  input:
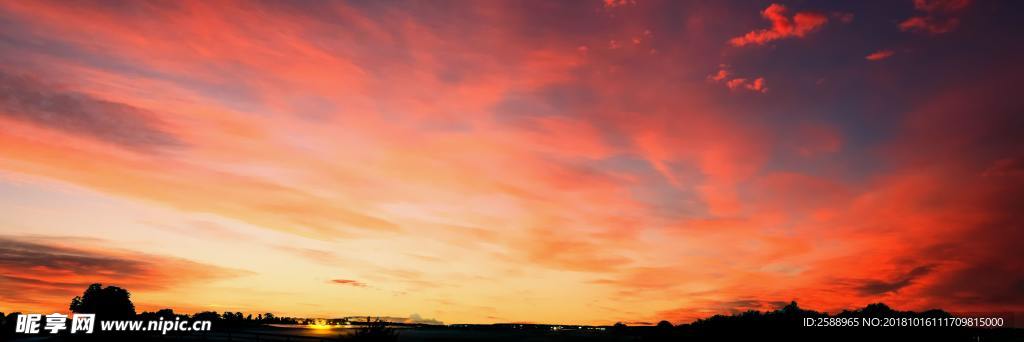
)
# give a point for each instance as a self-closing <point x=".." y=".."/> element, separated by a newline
<point x="472" y="162"/>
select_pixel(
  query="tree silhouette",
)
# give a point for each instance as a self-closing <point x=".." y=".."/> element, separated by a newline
<point x="619" y="328"/>
<point x="7" y="324"/>
<point x="206" y="316"/>
<point x="109" y="302"/>
<point x="167" y="314"/>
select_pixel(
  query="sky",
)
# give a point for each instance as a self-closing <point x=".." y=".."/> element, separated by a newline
<point x="513" y="161"/>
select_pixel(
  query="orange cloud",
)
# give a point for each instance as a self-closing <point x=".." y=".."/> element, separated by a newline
<point x="879" y="55"/>
<point x="783" y="26"/>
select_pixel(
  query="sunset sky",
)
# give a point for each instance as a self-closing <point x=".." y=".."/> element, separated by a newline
<point x="513" y="161"/>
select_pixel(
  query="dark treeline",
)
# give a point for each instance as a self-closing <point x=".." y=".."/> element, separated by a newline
<point x="784" y="324"/>
<point x="114" y="303"/>
<point x="226" y="318"/>
<point x="788" y="323"/>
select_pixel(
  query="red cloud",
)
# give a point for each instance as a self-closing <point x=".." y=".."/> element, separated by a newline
<point x="844" y="17"/>
<point x="739" y="83"/>
<point x="879" y="55"/>
<point x="941" y="5"/>
<point x="782" y="26"/>
<point x="735" y="83"/>
<point x="617" y="3"/>
<point x="719" y="76"/>
<point x="756" y="85"/>
<point x="938" y="17"/>
<point x="929" y="25"/>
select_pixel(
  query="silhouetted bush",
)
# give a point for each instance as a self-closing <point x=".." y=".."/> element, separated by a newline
<point x="7" y="324"/>
<point x="374" y="331"/>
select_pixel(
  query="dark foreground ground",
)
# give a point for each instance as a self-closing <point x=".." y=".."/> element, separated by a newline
<point x="790" y="323"/>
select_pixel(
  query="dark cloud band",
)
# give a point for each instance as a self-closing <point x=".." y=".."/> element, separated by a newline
<point x="28" y="99"/>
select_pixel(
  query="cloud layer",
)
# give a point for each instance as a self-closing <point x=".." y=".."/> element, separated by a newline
<point x="47" y="272"/>
<point x="559" y="162"/>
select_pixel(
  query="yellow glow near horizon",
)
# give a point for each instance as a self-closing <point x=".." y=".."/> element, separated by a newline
<point x="320" y="325"/>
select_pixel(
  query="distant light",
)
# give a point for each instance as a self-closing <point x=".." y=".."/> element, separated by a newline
<point x="319" y="325"/>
